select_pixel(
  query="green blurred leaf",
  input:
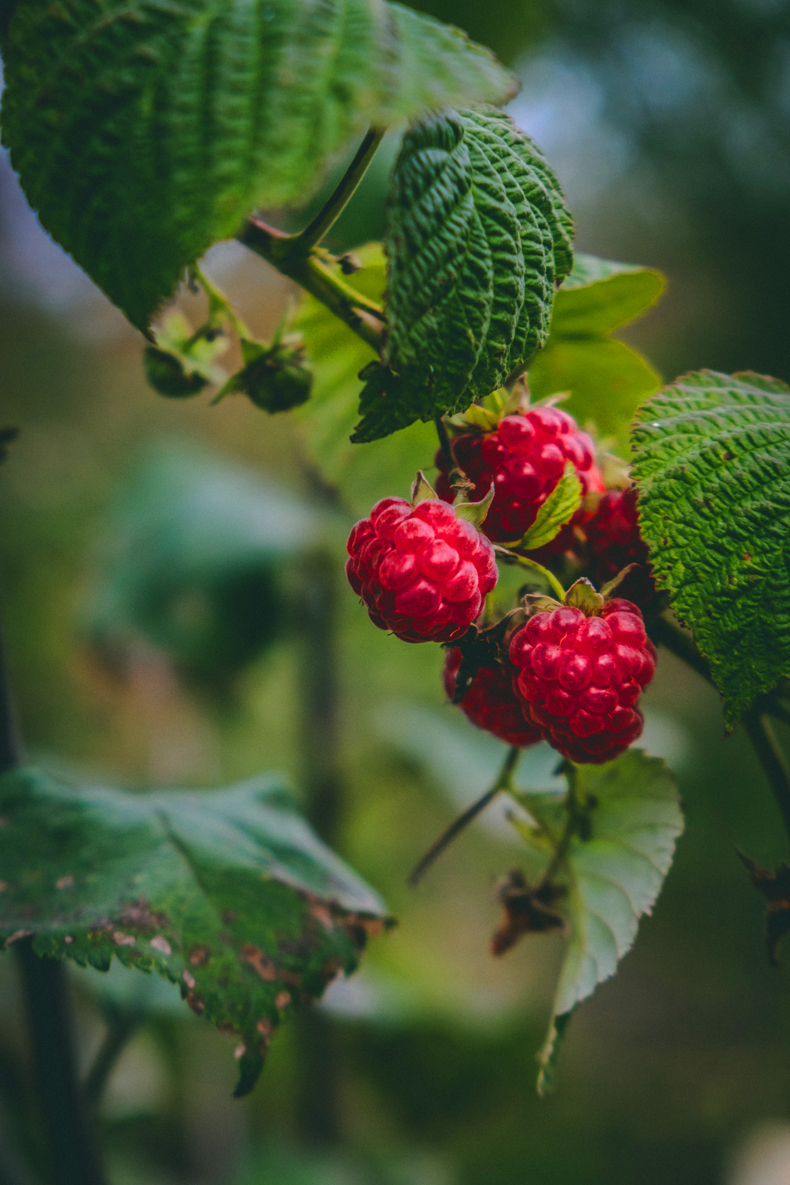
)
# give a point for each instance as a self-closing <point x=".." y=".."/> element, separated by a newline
<point x="612" y="871"/>
<point x="362" y="475"/>
<point x="189" y="560"/>
<point x="558" y="509"/>
<point x="607" y="379"/>
<point x="477" y="233"/>
<point x="143" y="132"/>
<point x="712" y="462"/>
<point x="227" y="893"/>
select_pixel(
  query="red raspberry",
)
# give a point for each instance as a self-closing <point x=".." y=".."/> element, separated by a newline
<point x="582" y="677"/>
<point x="421" y="571"/>
<point x="524" y="458"/>
<point x="491" y="703"/>
<point x="614" y="542"/>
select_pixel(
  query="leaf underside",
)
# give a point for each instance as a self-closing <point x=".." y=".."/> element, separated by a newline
<point x="712" y="462"/>
<point x="477" y="234"/>
<point x="613" y="876"/>
<point x="227" y="893"/>
<point x="144" y="131"/>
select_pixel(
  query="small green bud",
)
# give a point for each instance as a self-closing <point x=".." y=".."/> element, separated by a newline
<point x="277" y="378"/>
<point x="167" y="374"/>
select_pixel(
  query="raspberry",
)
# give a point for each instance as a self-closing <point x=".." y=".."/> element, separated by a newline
<point x="614" y="542"/>
<point x="581" y="677"/>
<point x="421" y="572"/>
<point x="491" y="703"/>
<point x="524" y="458"/>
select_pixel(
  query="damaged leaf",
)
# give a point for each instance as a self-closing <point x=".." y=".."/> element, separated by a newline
<point x="227" y="893"/>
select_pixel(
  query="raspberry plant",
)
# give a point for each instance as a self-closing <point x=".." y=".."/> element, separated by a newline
<point x="142" y="133"/>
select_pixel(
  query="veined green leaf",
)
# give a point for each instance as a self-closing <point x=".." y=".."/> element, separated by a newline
<point x="612" y="872"/>
<point x="363" y="475"/>
<point x="558" y="509"/>
<point x="227" y="893"/>
<point x="477" y="233"/>
<point x="712" y="462"/>
<point x="144" y="131"/>
<point x="606" y="379"/>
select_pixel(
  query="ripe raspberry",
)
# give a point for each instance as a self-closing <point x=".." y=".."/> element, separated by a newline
<point x="491" y="703"/>
<point x="614" y="542"/>
<point x="421" y="571"/>
<point x="524" y="458"/>
<point x="582" y="677"/>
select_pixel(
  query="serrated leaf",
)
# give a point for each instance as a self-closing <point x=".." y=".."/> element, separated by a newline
<point x="607" y="379"/>
<point x="144" y="131"/>
<point x="613" y="870"/>
<point x="558" y="509"/>
<point x="712" y="462"/>
<point x="227" y="893"/>
<point x="477" y="233"/>
<point x="363" y="475"/>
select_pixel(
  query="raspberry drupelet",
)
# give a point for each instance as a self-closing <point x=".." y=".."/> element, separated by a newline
<point x="613" y="539"/>
<point x="421" y="571"/>
<point x="581" y="677"/>
<point x="525" y="458"/>
<point x="491" y="702"/>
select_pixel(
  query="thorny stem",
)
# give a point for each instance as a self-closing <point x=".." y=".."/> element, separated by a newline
<point x="298" y="257"/>
<point x="502" y="782"/>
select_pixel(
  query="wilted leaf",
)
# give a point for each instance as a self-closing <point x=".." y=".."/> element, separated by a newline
<point x="712" y="462"/>
<point x="143" y="132"/>
<point x="227" y="893"/>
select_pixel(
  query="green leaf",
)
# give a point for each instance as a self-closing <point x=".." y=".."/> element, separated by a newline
<point x="612" y="872"/>
<point x="712" y="462"/>
<point x="477" y="233"/>
<point x="144" y="131"/>
<point x="607" y="379"/>
<point x="558" y="509"/>
<point x="227" y="893"/>
<point x="362" y="475"/>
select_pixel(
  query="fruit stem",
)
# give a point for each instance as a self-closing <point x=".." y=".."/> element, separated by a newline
<point x="456" y="476"/>
<point x="502" y="782"/>
<point x="299" y="258"/>
<point x="522" y="561"/>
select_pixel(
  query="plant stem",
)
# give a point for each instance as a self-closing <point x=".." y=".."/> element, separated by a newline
<point x="73" y="1158"/>
<point x="772" y="760"/>
<point x="522" y="561"/>
<point x="121" y="1026"/>
<point x="455" y="474"/>
<point x="339" y="199"/>
<point x="667" y="634"/>
<point x="446" y="838"/>
<point x="297" y="257"/>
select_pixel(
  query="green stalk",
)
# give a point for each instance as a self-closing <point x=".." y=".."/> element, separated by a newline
<point x="772" y="759"/>
<point x="298" y="257"/>
<point x="72" y="1154"/>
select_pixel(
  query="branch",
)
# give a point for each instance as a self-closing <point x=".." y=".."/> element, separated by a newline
<point x="447" y="837"/>
<point x="297" y="257"/>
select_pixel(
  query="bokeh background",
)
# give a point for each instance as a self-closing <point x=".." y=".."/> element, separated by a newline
<point x="175" y="614"/>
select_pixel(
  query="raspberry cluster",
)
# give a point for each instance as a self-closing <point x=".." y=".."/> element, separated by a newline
<point x="491" y="702"/>
<point x="614" y="542"/>
<point x="525" y="458"/>
<point x="421" y="571"/>
<point x="581" y="677"/>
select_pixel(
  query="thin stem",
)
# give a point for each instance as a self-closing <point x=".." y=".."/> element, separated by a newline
<point x="122" y="1026"/>
<point x="455" y="474"/>
<point x="561" y="851"/>
<point x="680" y="644"/>
<point x="772" y="760"/>
<point x="446" y="838"/>
<point x="284" y="252"/>
<point x="521" y="561"/>
<point x="342" y="195"/>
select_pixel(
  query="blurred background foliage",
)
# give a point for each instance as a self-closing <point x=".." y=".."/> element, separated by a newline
<point x="158" y="560"/>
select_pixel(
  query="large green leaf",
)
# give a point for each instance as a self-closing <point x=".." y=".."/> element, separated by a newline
<point x="712" y="461"/>
<point x="607" y="379"/>
<point x="143" y="131"/>
<point x="227" y="893"/>
<point x="386" y="466"/>
<point x="612" y="870"/>
<point x="477" y="233"/>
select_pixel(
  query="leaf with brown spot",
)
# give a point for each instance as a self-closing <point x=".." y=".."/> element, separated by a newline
<point x="528" y="910"/>
<point x="227" y="885"/>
